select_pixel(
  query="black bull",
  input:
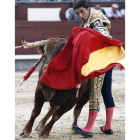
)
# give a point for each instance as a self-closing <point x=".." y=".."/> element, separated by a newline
<point x="60" y="101"/>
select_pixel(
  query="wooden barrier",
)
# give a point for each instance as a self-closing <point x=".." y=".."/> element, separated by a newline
<point x="35" y="31"/>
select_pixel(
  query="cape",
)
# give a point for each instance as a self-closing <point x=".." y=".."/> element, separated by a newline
<point x="87" y="54"/>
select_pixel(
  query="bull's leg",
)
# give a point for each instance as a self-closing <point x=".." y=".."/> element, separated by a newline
<point x="38" y="103"/>
<point x="79" y="106"/>
<point x="58" y="113"/>
<point x="42" y="123"/>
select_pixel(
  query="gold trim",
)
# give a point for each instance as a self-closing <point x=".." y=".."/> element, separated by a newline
<point x="95" y="92"/>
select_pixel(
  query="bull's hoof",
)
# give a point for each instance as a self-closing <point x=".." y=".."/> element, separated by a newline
<point x="24" y="134"/>
<point x="43" y="134"/>
<point x="38" y="128"/>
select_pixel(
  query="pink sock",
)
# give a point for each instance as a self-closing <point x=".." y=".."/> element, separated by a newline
<point x="91" y="120"/>
<point x="109" y="115"/>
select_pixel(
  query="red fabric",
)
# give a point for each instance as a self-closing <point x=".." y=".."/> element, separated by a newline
<point x="29" y="73"/>
<point x="64" y="71"/>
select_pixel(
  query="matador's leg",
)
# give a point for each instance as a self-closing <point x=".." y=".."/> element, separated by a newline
<point x="94" y="101"/>
<point x="109" y="102"/>
<point x="94" y="105"/>
<point x="95" y="92"/>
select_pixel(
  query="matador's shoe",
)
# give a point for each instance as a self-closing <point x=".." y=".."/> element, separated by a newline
<point x="108" y="132"/>
<point x="83" y="133"/>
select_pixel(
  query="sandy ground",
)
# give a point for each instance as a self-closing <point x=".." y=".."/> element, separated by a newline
<point x="24" y="97"/>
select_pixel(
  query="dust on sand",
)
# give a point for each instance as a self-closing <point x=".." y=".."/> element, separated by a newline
<point x="24" y="101"/>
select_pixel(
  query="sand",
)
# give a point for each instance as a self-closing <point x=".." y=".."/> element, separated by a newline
<point x="24" y="101"/>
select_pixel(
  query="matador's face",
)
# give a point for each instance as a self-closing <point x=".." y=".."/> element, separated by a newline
<point x="83" y="13"/>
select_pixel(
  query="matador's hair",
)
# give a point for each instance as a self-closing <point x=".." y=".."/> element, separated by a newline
<point x="80" y="3"/>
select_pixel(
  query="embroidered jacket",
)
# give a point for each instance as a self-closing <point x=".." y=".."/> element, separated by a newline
<point x="98" y="21"/>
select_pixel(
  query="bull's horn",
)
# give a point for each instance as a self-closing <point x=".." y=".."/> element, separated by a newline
<point x="34" y="44"/>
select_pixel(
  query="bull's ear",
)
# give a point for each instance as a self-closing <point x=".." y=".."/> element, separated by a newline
<point x="40" y="50"/>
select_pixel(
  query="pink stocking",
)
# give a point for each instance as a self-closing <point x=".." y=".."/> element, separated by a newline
<point x="91" y="120"/>
<point x="109" y="115"/>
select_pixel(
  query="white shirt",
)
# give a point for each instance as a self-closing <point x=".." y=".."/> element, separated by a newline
<point x="122" y="11"/>
<point x="111" y="13"/>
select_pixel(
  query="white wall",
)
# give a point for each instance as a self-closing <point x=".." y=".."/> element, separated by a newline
<point x="43" y="14"/>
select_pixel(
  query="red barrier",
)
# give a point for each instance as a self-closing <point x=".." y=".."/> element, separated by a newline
<point x="35" y="31"/>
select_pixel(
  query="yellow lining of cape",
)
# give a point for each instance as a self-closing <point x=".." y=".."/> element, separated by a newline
<point x="102" y="58"/>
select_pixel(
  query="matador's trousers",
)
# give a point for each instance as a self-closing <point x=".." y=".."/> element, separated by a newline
<point x="101" y="84"/>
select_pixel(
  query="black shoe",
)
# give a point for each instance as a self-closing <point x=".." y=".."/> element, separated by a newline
<point x="108" y="132"/>
<point x="83" y="133"/>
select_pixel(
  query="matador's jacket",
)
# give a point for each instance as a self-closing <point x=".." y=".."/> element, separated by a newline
<point x="87" y="54"/>
<point x="99" y="22"/>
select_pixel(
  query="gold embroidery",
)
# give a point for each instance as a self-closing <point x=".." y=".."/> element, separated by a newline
<point x="95" y="92"/>
<point x="97" y="18"/>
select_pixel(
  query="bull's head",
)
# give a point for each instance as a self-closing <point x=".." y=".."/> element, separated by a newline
<point x="50" y="47"/>
<point x="53" y="48"/>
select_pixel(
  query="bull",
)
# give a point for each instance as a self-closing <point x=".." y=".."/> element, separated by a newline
<point x="60" y="101"/>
